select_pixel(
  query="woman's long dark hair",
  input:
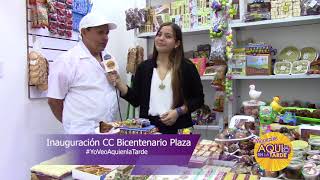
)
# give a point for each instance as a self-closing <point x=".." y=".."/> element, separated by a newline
<point x="175" y="58"/>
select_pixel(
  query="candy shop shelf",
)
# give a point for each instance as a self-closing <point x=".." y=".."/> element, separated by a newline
<point x="184" y="31"/>
<point x="291" y="21"/>
<point x="302" y="76"/>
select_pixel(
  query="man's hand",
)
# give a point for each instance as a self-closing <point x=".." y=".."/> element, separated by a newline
<point x="169" y="118"/>
<point x="56" y="106"/>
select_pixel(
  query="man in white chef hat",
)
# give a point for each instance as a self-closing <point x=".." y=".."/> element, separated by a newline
<point x="79" y="93"/>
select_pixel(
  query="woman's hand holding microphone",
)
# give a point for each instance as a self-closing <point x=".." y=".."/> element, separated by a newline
<point x="114" y="78"/>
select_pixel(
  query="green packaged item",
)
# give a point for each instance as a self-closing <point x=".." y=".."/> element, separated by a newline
<point x="282" y="67"/>
<point x="266" y="115"/>
<point x="309" y="53"/>
<point x="290" y="54"/>
<point x="300" y="67"/>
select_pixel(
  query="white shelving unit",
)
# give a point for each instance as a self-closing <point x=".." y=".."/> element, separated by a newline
<point x="301" y="76"/>
<point x="292" y="21"/>
<point x="294" y="31"/>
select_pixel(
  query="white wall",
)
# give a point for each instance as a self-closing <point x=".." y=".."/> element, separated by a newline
<point x="120" y="40"/>
<point x="22" y="119"/>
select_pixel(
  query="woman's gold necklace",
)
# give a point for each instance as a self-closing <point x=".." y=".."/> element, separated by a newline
<point x="161" y="85"/>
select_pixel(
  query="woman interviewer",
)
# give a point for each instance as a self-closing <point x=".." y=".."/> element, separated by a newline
<point x="167" y="87"/>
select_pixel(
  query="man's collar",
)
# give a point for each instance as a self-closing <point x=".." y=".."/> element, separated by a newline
<point x="83" y="51"/>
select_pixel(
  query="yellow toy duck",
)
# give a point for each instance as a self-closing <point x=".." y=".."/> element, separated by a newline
<point x="275" y="104"/>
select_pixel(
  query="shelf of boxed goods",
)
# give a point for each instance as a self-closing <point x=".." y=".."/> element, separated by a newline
<point x="290" y="21"/>
<point x="232" y="105"/>
<point x="274" y="23"/>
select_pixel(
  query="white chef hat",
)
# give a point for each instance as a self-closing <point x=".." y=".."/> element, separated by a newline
<point x="93" y="20"/>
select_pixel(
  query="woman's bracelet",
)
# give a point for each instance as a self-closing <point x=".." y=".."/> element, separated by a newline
<point x="179" y="111"/>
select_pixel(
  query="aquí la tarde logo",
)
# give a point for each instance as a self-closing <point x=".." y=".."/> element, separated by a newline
<point x="273" y="151"/>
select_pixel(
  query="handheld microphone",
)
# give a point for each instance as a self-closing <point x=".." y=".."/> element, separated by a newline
<point x="111" y="65"/>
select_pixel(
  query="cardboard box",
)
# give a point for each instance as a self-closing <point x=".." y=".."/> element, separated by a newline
<point x="186" y="21"/>
<point x="161" y="15"/>
<point x="238" y="66"/>
<point x="258" y="65"/>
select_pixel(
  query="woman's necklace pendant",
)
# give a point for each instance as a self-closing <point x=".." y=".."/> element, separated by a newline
<point x="162" y="86"/>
